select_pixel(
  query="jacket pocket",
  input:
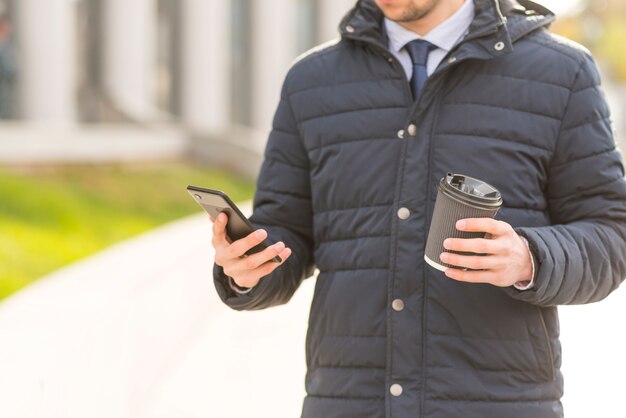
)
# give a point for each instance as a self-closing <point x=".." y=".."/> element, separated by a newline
<point x="541" y="343"/>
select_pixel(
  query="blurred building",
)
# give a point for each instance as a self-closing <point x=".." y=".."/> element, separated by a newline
<point x="213" y="68"/>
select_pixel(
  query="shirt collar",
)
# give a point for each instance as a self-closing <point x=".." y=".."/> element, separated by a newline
<point x="444" y="36"/>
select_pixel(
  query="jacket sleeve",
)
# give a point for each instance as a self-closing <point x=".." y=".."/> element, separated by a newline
<point x="282" y="206"/>
<point x="582" y="256"/>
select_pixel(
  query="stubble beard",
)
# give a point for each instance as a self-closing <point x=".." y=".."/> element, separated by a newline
<point x="414" y="12"/>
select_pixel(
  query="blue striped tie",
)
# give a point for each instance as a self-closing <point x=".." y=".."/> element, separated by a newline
<point x="419" y="49"/>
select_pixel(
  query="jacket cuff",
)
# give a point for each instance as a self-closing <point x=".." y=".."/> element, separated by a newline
<point x="527" y="284"/>
<point x="233" y="299"/>
<point x="544" y="268"/>
<point x="238" y="289"/>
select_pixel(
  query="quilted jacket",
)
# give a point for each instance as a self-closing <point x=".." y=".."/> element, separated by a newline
<point x="513" y="105"/>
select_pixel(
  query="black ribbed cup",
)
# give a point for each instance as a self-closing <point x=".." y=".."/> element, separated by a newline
<point x="458" y="197"/>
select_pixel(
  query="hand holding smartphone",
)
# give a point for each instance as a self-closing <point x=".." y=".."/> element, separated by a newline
<point x="215" y="202"/>
<point x="242" y="252"/>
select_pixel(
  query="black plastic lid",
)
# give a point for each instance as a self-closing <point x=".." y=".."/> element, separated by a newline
<point x="471" y="191"/>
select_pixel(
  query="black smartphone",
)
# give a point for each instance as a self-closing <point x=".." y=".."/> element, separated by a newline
<point x="215" y="202"/>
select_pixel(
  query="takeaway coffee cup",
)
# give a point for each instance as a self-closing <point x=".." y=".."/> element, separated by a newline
<point x="458" y="197"/>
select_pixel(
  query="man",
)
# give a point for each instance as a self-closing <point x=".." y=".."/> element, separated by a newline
<point x="364" y="130"/>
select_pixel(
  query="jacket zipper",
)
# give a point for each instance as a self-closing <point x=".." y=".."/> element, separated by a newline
<point x="548" y="342"/>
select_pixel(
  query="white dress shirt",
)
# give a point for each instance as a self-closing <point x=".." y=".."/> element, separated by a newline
<point x="444" y="36"/>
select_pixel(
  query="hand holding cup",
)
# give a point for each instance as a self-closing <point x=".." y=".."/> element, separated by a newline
<point x="501" y="258"/>
<point x="465" y="241"/>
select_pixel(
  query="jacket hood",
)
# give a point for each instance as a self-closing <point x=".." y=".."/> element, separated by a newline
<point x="525" y="16"/>
<point x="507" y="20"/>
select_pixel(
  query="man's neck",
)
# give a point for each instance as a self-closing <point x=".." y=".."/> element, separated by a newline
<point x="439" y="13"/>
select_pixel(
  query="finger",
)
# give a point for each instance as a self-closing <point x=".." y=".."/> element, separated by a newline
<point x="253" y="261"/>
<point x="252" y="277"/>
<point x="487" y="225"/>
<point x="476" y="262"/>
<point x="469" y="276"/>
<point x="241" y="246"/>
<point x="220" y="240"/>
<point x="472" y="245"/>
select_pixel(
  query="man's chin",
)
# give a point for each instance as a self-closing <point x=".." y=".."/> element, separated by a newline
<point x="400" y="15"/>
<point x="394" y="14"/>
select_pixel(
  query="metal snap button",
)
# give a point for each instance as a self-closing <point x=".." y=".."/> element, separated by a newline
<point x="397" y="305"/>
<point x="404" y="213"/>
<point x="395" y="389"/>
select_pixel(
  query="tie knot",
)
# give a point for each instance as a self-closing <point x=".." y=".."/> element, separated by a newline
<point x="418" y="49"/>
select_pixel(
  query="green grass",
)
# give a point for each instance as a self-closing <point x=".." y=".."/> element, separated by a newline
<point x="53" y="216"/>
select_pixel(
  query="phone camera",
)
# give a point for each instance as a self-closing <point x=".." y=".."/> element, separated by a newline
<point x="197" y="196"/>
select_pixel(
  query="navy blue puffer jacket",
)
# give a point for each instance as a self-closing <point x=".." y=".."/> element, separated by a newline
<point x="512" y="105"/>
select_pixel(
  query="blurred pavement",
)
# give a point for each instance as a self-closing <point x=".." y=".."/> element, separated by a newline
<point x="138" y="332"/>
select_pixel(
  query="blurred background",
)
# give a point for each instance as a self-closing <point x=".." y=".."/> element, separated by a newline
<point x="103" y="99"/>
<point x="108" y="109"/>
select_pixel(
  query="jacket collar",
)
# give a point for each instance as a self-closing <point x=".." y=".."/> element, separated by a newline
<point x="495" y="21"/>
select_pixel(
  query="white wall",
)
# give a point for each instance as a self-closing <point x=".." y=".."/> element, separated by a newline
<point x="47" y="58"/>
<point x="273" y="50"/>
<point x="206" y="65"/>
<point x="130" y="55"/>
